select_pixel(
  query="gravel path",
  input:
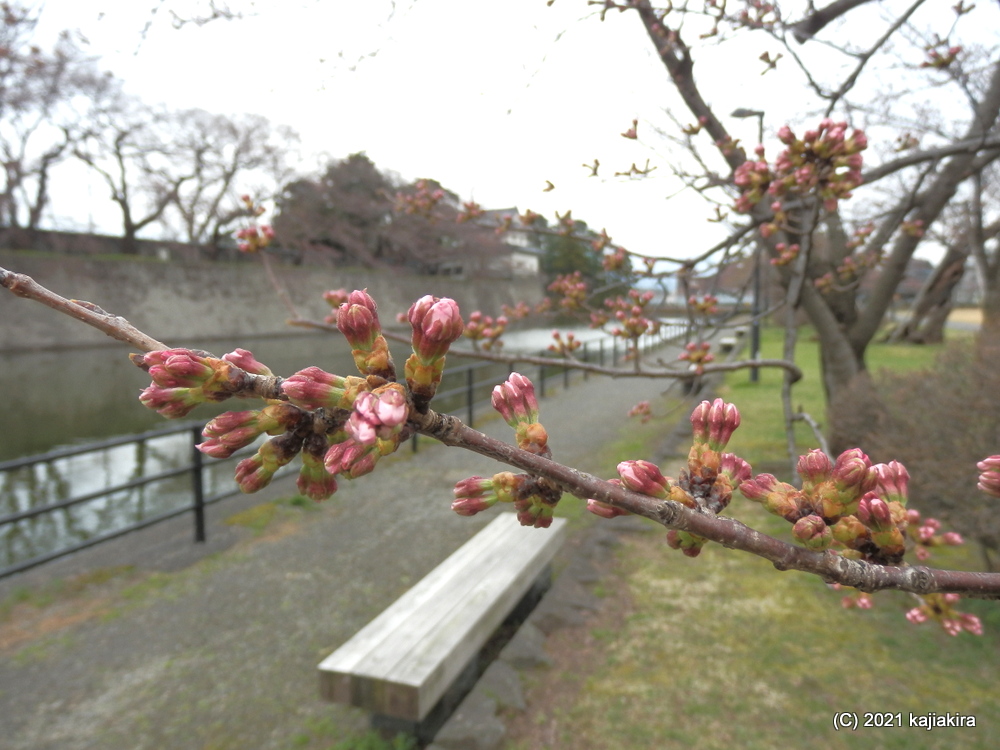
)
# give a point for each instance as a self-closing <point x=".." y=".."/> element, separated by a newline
<point x="223" y="654"/>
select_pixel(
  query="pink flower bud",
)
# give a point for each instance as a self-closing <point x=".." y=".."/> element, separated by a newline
<point x="246" y="361"/>
<point x="643" y="477"/>
<point x="515" y="400"/>
<point x="874" y="512"/>
<point x="436" y="325"/>
<point x="378" y="414"/>
<point x="989" y="479"/>
<point x="314" y="480"/>
<point x="892" y="481"/>
<point x="779" y="498"/>
<point x="313" y="388"/>
<point x="952" y="539"/>
<point x="916" y="615"/>
<point x="473" y="495"/>
<point x="813" y="532"/>
<point x="814" y="467"/>
<point x="714" y="423"/>
<point x="233" y="430"/>
<point x="735" y="468"/>
<point x="256" y="472"/>
<point x="853" y="470"/>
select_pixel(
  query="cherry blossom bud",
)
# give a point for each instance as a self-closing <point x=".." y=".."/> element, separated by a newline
<point x="688" y="543"/>
<point x="246" y="361"/>
<point x="735" y="468"/>
<point x="515" y="400"/>
<point x="436" y="324"/>
<point x="714" y="423"/>
<point x="814" y="467"/>
<point x="171" y="403"/>
<point x="474" y="495"/>
<point x="952" y="539"/>
<point x="853" y="471"/>
<point x="916" y="615"/>
<point x="892" y="481"/>
<point x="313" y="388"/>
<point x="643" y="477"/>
<point x="779" y="498"/>
<point x="377" y="415"/>
<point x="256" y="472"/>
<point x="314" y="480"/>
<point x="233" y="430"/>
<point x="874" y="513"/>
<point x="813" y="532"/>
<point x="989" y="479"/>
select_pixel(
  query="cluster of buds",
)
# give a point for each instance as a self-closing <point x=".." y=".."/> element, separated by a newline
<point x="824" y="283"/>
<point x="529" y="218"/>
<point x="860" y="236"/>
<point x="564" y="346"/>
<point x="826" y="161"/>
<point x="515" y="400"/>
<point x="358" y="320"/>
<point x="600" y="242"/>
<point x="341" y="426"/>
<point x="759" y="15"/>
<point x="940" y="59"/>
<point x="571" y="289"/>
<point x="707" y="305"/>
<point x="913" y="228"/>
<point x="629" y="311"/>
<point x="923" y="532"/>
<point x="184" y="378"/>
<point x="422" y="201"/>
<point x="643" y="410"/>
<point x="616" y="260"/>
<point x="941" y="608"/>
<point x="706" y="484"/>
<point x="786" y="254"/>
<point x="518" y="312"/>
<point x="533" y="499"/>
<point x="335" y="298"/>
<point x="849" y="504"/>
<point x="698" y="355"/>
<point x="484" y="331"/>
<point x="469" y="212"/>
<point x="436" y="324"/>
<point x="253" y="238"/>
<point x="989" y="478"/>
<point x="566" y="222"/>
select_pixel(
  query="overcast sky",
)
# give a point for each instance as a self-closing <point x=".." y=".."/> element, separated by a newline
<point x="492" y="99"/>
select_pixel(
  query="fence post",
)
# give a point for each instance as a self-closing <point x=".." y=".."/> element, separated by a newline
<point x="586" y="358"/>
<point x="197" y="486"/>
<point x="470" y="381"/>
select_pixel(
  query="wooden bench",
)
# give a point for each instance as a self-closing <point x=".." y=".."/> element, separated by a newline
<point x="412" y="665"/>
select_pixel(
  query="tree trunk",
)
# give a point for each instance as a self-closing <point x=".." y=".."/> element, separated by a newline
<point x="930" y="311"/>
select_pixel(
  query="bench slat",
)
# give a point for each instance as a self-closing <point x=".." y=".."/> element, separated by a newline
<point x="405" y="659"/>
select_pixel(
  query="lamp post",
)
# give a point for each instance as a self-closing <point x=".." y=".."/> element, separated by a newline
<point x="755" y="307"/>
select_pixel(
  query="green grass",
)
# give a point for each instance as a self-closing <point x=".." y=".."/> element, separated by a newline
<point x="722" y="651"/>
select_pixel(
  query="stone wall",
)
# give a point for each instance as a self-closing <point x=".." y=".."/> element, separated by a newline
<point x="176" y="302"/>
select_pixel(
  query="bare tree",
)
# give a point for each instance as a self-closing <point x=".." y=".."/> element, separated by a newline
<point x="227" y="157"/>
<point x="42" y="96"/>
<point x="131" y="147"/>
<point x="824" y="279"/>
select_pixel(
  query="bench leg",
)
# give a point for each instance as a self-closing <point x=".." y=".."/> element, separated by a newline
<point x="425" y="730"/>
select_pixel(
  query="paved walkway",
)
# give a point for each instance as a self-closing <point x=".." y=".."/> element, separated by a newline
<point x="223" y="653"/>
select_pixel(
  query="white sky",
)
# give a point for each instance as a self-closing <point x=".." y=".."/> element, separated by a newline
<point x="491" y="99"/>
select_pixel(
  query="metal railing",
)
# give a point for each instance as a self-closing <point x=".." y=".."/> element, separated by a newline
<point x="464" y="390"/>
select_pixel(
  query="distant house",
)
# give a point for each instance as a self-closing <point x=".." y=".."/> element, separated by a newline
<point x="524" y="258"/>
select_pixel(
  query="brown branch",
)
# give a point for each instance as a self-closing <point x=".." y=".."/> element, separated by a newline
<point x="726" y="531"/>
<point x="113" y="325"/>
<point x="576" y="364"/>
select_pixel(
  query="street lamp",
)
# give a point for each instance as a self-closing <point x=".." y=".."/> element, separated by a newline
<point x="755" y="308"/>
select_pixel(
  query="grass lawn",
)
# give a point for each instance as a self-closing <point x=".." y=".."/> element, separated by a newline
<point x="722" y="651"/>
